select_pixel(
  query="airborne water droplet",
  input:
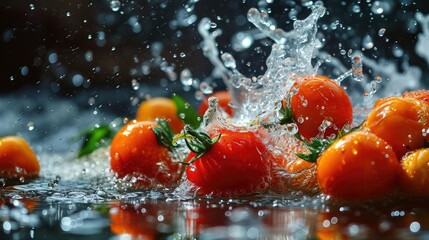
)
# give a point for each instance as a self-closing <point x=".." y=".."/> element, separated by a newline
<point x="228" y="60"/>
<point x="206" y="88"/>
<point x="115" y="5"/>
<point x="357" y="72"/>
<point x="135" y="84"/>
<point x="381" y="32"/>
<point x="186" y="77"/>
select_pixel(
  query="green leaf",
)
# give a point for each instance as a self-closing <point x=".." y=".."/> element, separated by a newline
<point x="318" y="145"/>
<point x="164" y="134"/>
<point x="186" y="112"/>
<point x="287" y="115"/>
<point x="197" y="141"/>
<point x="95" y="138"/>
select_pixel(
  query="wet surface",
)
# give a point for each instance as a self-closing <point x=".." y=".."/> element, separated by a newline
<point x="160" y="215"/>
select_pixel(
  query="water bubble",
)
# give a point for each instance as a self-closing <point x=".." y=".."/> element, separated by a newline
<point x="32" y="7"/>
<point x="381" y="32"/>
<point x="68" y="14"/>
<point x="186" y="77"/>
<point x="115" y="5"/>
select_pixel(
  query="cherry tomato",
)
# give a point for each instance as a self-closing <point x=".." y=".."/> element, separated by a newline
<point x="223" y="102"/>
<point x="414" y="177"/>
<point x="291" y="173"/>
<point x="358" y="166"/>
<point x="160" y="107"/>
<point x="422" y="95"/>
<point x="17" y="159"/>
<point x="400" y="122"/>
<point x="235" y="165"/>
<point x="319" y="100"/>
<point x="135" y="150"/>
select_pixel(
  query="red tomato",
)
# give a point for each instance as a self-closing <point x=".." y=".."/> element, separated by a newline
<point x="135" y="150"/>
<point x="235" y="165"/>
<point x="320" y="99"/>
<point x="422" y="95"/>
<point x="17" y="159"/>
<point x="414" y="177"/>
<point x="400" y="122"/>
<point x="358" y="166"/>
<point x="223" y="102"/>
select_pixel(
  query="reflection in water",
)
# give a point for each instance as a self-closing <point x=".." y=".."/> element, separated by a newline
<point x="267" y="217"/>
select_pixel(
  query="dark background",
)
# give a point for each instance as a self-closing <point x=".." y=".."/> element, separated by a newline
<point x="32" y="30"/>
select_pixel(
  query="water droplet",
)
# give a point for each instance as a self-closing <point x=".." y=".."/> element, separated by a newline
<point x="357" y="72"/>
<point x="292" y="128"/>
<point x="228" y="60"/>
<point x="115" y="5"/>
<point x="381" y="32"/>
<point x="88" y="56"/>
<point x="30" y="126"/>
<point x="367" y="42"/>
<point x="356" y="8"/>
<point x="186" y="77"/>
<point x="378" y="79"/>
<point x="24" y="71"/>
<point x="415" y="227"/>
<point x="206" y="88"/>
<point x="77" y="80"/>
<point x="135" y="84"/>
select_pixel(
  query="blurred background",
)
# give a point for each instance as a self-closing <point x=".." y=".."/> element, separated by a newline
<point x="70" y="64"/>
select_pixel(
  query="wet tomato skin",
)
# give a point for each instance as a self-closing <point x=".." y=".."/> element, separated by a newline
<point x="319" y="98"/>
<point x="414" y="174"/>
<point x="421" y="94"/>
<point x="224" y="97"/>
<point x="400" y="122"/>
<point x="359" y="166"/>
<point x="17" y="159"/>
<point x="158" y="108"/>
<point x="135" y="150"/>
<point x="235" y="165"/>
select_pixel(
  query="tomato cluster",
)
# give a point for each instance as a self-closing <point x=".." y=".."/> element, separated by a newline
<point x="387" y="152"/>
<point x="344" y="163"/>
